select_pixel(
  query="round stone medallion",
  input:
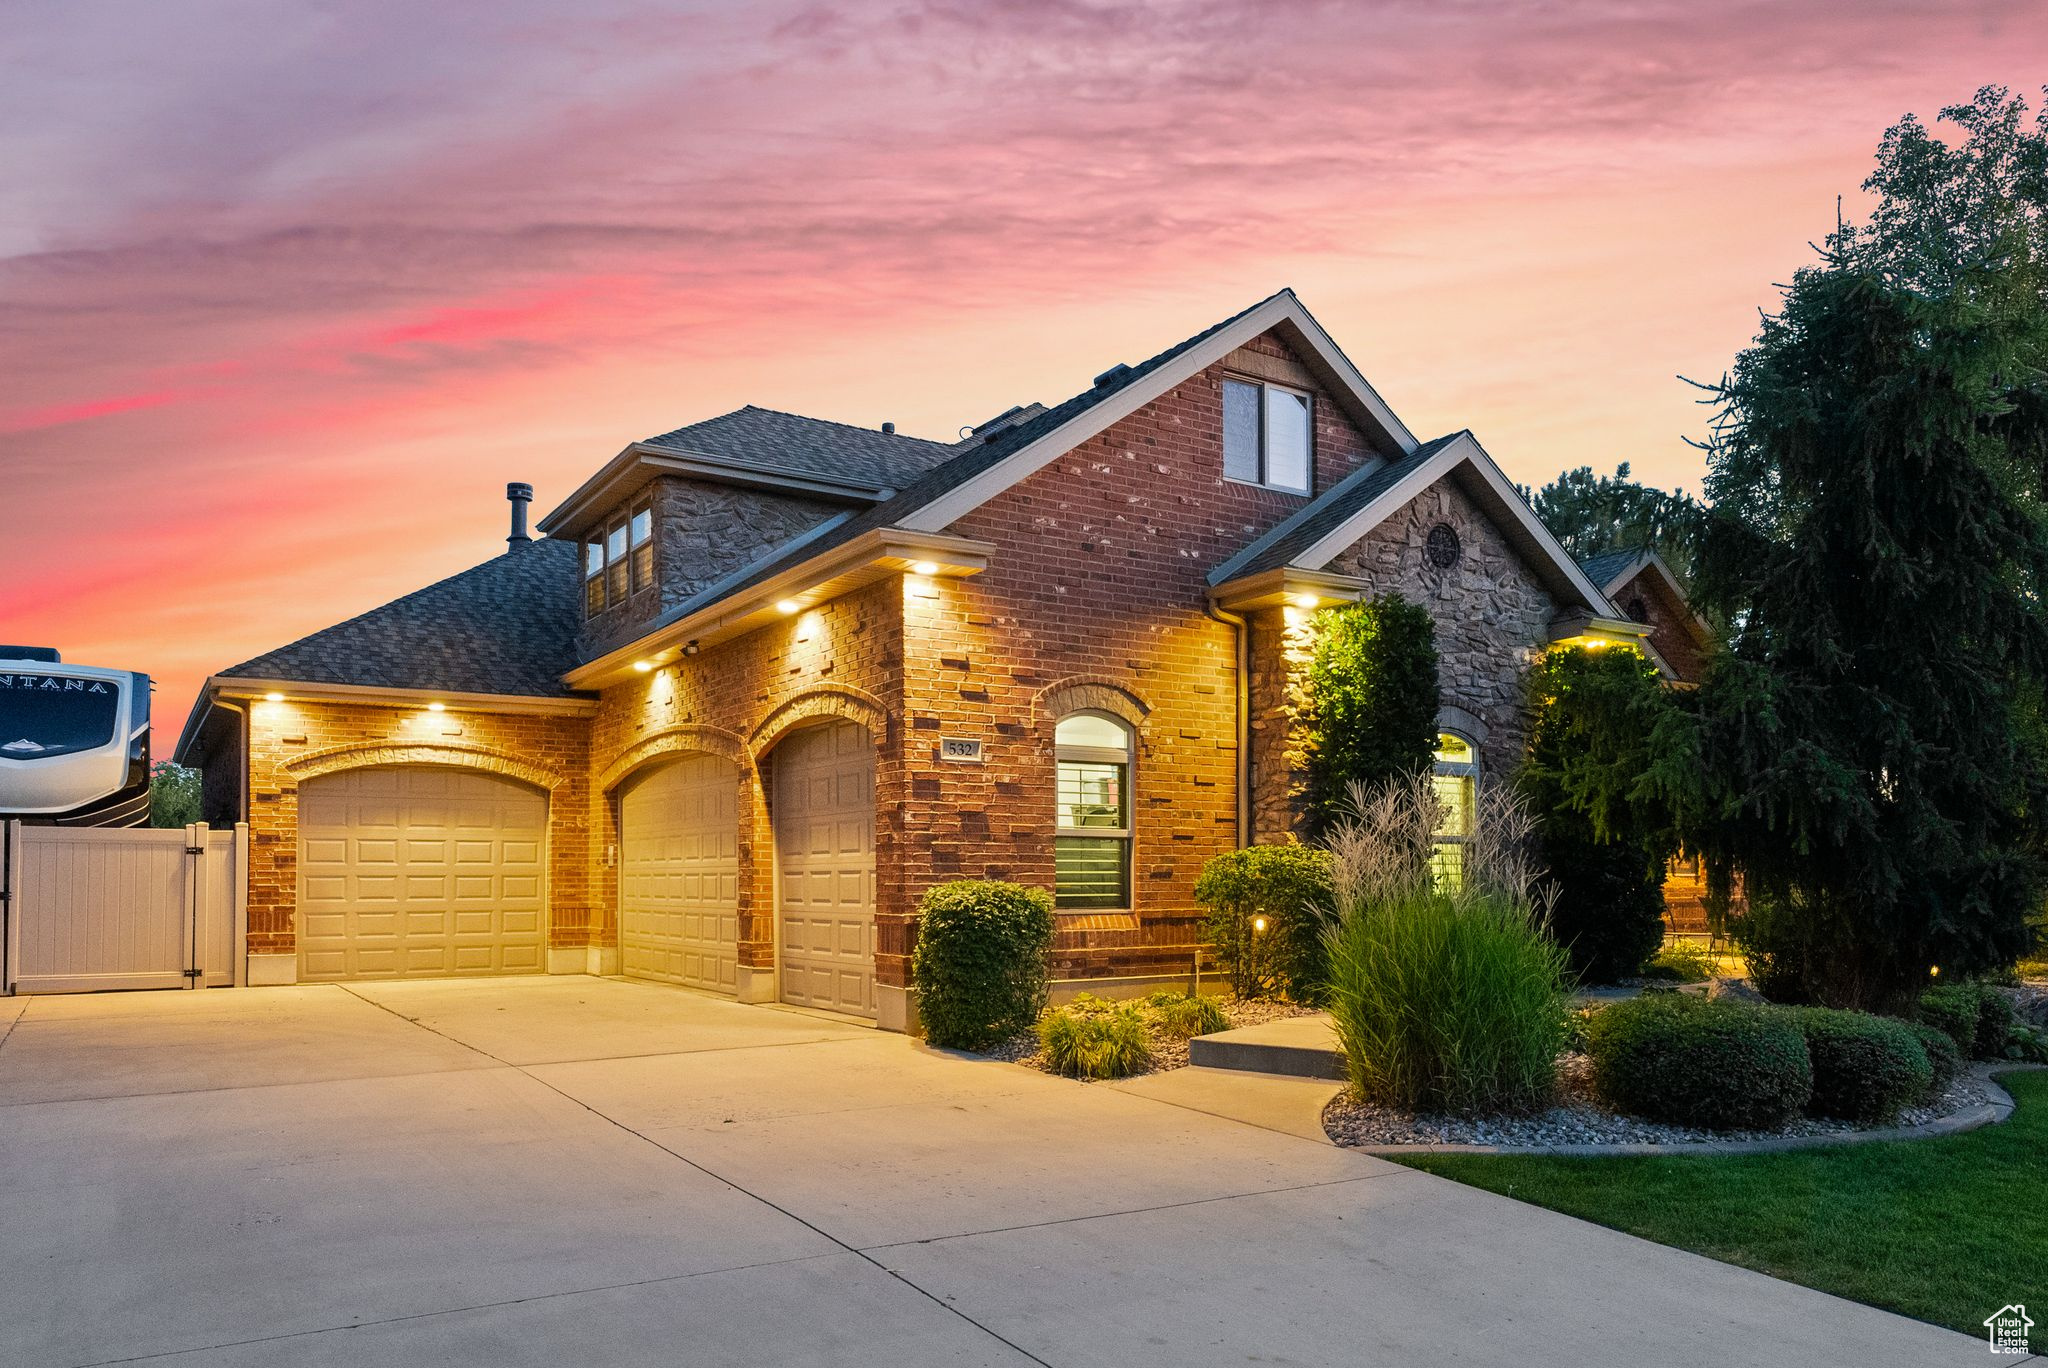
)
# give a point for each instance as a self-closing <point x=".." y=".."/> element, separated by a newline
<point x="1442" y="549"/>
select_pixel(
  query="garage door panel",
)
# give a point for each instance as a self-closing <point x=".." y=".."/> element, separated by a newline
<point x="679" y="874"/>
<point x="824" y="833"/>
<point x="388" y="890"/>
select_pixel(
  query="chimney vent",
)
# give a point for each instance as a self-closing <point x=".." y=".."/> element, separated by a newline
<point x="889" y="428"/>
<point x="521" y="494"/>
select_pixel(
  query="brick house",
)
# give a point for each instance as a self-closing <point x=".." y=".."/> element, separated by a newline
<point x="766" y="679"/>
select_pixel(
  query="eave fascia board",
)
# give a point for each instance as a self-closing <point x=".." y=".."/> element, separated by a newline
<point x="1033" y="457"/>
<point x="602" y="491"/>
<point x="879" y="551"/>
<point x="244" y="688"/>
<point x="1282" y="586"/>
<point x="1598" y="630"/>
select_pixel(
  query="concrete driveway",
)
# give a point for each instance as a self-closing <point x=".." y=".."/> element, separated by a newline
<point x="595" y="1172"/>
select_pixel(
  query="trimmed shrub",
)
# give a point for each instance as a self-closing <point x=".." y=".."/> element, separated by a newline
<point x="1371" y="698"/>
<point x="1720" y="1065"/>
<point x="1449" y="1004"/>
<point x="1951" y="1008"/>
<point x="1187" y="1014"/>
<point x="1977" y="1017"/>
<point x="1266" y="909"/>
<point x="1865" y="1068"/>
<point x="1776" y="950"/>
<point x="980" y="965"/>
<point x="1943" y="1058"/>
<point x="1094" y="1038"/>
<point x="1994" y="1022"/>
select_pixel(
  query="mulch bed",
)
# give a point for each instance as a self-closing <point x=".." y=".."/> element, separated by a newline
<point x="1578" y="1119"/>
<point x="1168" y="1051"/>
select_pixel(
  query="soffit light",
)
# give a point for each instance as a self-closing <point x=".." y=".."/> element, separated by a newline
<point x="925" y="568"/>
<point x="437" y="707"/>
<point x="1307" y="601"/>
<point x="273" y="698"/>
<point x="643" y="666"/>
<point x="787" y="606"/>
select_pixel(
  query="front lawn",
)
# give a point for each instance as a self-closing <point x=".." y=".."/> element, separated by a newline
<point x="1947" y="1230"/>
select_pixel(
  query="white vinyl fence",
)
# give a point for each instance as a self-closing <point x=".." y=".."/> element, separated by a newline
<point x="91" y="908"/>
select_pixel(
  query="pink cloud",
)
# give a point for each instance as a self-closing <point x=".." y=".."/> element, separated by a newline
<point x="287" y="294"/>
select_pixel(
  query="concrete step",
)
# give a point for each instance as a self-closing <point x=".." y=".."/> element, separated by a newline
<point x="1300" y="1047"/>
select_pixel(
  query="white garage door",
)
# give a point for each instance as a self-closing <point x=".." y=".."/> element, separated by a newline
<point x="825" y="839"/>
<point x="679" y="874"/>
<point x="420" y="872"/>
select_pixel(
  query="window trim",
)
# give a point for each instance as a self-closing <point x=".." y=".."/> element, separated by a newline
<point x="600" y="593"/>
<point x="1265" y="463"/>
<point x="1126" y="758"/>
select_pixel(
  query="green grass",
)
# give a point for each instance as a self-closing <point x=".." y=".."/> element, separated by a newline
<point x="1945" y="1230"/>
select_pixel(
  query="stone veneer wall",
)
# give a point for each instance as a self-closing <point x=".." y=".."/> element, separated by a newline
<point x="1492" y="618"/>
<point x="703" y="532"/>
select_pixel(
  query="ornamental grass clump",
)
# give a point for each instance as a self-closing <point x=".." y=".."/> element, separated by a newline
<point x="1094" y="1038"/>
<point x="1446" y="992"/>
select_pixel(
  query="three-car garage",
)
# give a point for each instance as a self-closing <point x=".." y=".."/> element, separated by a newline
<point x="420" y="870"/>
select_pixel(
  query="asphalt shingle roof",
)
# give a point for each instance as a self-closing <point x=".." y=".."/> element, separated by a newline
<point x="767" y="439"/>
<point x="965" y="461"/>
<point x="1602" y="569"/>
<point x="507" y="626"/>
<point x="1327" y="512"/>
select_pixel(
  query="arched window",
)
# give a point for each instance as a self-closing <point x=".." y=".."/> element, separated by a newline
<point x="1456" y="776"/>
<point x="1092" y="827"/>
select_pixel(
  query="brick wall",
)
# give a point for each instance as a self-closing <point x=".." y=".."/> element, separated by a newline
<point x="291" y="742"/>
<point x="1647" y="598"/>
<point x="1096" y="596"/>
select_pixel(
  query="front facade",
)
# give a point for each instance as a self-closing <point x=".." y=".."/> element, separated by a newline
<point x="768" y="679"/>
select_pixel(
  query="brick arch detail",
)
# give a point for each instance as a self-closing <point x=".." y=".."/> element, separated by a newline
<point x="371" y="754"/>
<point x="688" y="739"/>
<point x="826" y="700"/>
<point x="1097" y="693"/>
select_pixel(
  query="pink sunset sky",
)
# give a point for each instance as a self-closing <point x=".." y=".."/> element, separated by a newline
<point x="289" y="291"/>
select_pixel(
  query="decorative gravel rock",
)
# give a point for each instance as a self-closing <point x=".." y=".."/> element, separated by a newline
<point x="1580" y="1120"/>
<point x="1168" y="1051"/>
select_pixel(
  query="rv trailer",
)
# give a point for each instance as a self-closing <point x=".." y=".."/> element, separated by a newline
<point x="74" y="741"/>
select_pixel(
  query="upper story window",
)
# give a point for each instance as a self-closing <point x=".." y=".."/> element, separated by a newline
<point x="619" y="562"/>
<point x="1267" y="435"/>
<point x="1092" y="828"/>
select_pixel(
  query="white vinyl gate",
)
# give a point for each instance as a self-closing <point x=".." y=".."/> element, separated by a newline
<point x="91" y="908"/>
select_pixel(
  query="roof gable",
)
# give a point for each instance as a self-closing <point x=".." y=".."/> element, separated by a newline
<point x="1318" y="533"/>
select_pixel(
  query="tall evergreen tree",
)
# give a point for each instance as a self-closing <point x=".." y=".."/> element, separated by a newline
<point x="1591" y="515"/>
<point x="1869" y="748"/>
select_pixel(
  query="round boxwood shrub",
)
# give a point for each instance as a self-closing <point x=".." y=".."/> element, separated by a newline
<point x="1265" y="917"/>
<point x="1976" y="1016"/>
<point x="1943" y="1058"/>
<point x="980" y="966"/>
<point x="1722" y="1065"/>
<point x="1951" y="1008"/>
<point x="1865" y="1068"/>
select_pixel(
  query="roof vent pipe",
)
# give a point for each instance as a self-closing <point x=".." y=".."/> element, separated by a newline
<point x="889" y="428"/>
<point x="521" y="494"/>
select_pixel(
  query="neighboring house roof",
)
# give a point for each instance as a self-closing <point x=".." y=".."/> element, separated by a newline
<point x="1330" y="524"/>
<point x="772" y="441"/>
<point x="1611" y="567"/>
<point x="507" y="626"/>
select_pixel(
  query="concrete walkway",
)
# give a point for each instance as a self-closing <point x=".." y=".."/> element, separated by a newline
<point x="548" y="1171"/>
